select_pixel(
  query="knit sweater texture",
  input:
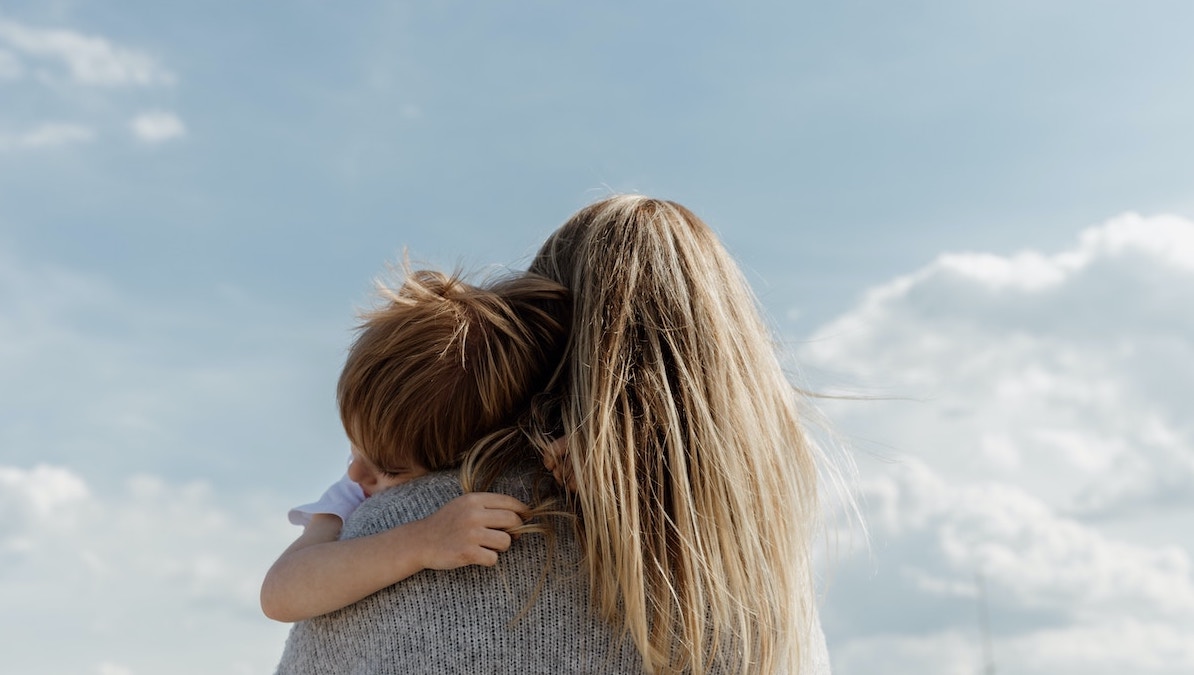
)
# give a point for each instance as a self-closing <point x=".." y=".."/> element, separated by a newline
<point x="471" y="619"/>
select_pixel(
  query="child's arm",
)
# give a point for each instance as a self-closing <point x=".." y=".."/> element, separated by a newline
<point x="318" y="573"/>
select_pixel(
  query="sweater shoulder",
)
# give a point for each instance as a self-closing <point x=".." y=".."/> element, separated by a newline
<point x="404" y="503"/>
<point x="424" y="496"/>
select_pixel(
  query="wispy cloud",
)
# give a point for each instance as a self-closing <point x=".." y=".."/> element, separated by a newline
<point x="35" y="60"/>
<point x="48" y="135"/>
<point x="157" y="126"/>
<point x="87" y="59"/>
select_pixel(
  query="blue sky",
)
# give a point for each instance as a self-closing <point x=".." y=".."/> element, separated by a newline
<point x="929" y="198"/>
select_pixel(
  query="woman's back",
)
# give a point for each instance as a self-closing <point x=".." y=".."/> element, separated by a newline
<point x="465" y="620"/>
<point x="471" y="619"/>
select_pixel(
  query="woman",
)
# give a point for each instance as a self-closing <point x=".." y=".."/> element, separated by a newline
<point x="694" y="477"/>
<point x="692" y="484"/>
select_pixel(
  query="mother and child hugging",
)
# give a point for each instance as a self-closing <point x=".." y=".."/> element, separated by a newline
<point x="595" y="466"/>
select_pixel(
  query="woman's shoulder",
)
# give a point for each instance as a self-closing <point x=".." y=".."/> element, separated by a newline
<point x="403" y="503"/>
<point x="424" y="496"/>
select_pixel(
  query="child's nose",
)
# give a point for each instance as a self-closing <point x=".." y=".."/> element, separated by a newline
<point x="357" y="473"/>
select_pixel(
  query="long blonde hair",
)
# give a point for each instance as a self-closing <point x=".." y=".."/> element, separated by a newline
<point x="696" y="485"/>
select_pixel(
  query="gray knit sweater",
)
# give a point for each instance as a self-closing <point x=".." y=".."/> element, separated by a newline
<point x="463" y="620"/>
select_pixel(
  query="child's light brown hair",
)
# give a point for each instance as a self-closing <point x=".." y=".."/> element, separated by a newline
<point x="442" y="363"/>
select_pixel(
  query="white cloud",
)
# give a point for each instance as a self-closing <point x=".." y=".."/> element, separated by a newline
<point x="150" y="561"/>
<point x="48" y="135"/>
<point x="1123" y="644"/>
<point x="1165" y="238"/>
<point x="113" y="393"/>
<point x="66" y="62"/>
<point x="1113" y="647"/>
<point x="88" y="60"/>
<point x="56" y="134"/>
<point x="1032" y="557"/>
<point x="41" y="491"/>
<point x="117" y="396"/>
<point x="1046" y="442"/>
<point x="157" y="126"/>
<point x="950" y="653"/>
<point x="1068" y="374"/>
<point x="1026" y="271"/>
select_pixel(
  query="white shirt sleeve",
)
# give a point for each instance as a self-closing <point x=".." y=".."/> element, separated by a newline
<point x="341" y="499"/>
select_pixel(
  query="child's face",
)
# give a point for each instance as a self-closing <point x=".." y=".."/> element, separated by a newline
<point x="373" y="480"/>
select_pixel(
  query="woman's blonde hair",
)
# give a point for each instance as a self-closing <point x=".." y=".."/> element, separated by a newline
<point x="442" y="363"/>
<point x="695" y="482"/>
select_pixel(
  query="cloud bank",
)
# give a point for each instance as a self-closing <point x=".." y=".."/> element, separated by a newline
<point x="113" y="404"/>
<point x="154" y="563"/>
<point x="1047" y="451"/>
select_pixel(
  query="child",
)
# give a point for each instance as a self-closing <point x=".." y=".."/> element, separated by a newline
<point x="437" y="368"/>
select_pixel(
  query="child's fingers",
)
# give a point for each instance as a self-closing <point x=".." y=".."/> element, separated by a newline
<point x="501" y="519"/>
<point x="485" y="556"/>
<point x="497" y="501"/>
<point x="496" y="540"/>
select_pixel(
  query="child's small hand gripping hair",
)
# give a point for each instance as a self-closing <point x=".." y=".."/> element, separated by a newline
<point x="469" y="530"/>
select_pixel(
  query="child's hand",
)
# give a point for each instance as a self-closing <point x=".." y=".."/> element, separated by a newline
<point x="555" y="458"/>
<point x="469" y="530"/>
